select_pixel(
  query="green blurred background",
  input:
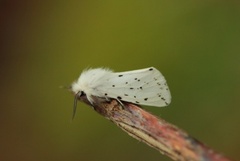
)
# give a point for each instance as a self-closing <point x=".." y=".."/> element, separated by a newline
<point x="47" y="43"/>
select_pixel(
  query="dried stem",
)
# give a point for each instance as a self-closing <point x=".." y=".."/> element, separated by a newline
<point x="154" y="131"/>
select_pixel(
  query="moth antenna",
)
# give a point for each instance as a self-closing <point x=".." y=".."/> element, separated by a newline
<point x="66" y="87"/>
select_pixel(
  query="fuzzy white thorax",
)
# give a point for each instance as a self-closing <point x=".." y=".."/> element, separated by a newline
<point x="89" y="80"/>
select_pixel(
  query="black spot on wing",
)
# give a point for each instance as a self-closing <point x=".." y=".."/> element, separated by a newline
<point x="113" y="85"/>
<point x="125" y="94"/>
<point x="120" y="75"/>
<point x="150" y="69"/>
<point x="163" y="99"/>
<point x="145" y="99"/>
<point x="119" y="97"/>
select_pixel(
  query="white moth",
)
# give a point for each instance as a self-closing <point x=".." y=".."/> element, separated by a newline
<point x="144" y="86"/>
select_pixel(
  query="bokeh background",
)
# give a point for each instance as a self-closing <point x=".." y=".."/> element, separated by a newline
<point x="47" y="43"/>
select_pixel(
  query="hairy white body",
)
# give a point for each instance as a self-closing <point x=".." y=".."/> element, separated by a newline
<point x="144" y="86"/>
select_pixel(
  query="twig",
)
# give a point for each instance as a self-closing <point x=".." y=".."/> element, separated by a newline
<point x="154" y="131"/>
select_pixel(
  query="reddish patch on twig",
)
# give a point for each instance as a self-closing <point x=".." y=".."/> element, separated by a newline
<point x="154" y="131"/>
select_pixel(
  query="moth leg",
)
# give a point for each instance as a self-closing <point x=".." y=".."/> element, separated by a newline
<point x="120" y="102"/>
<point x="108" y="99"/>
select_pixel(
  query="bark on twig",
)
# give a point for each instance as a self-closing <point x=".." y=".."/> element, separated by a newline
<point x="154" y="131"/>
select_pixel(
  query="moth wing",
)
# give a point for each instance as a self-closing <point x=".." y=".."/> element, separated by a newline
<point x="145" y="86"/>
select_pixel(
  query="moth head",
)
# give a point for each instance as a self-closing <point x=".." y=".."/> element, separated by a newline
<point x="76" y="88"/>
